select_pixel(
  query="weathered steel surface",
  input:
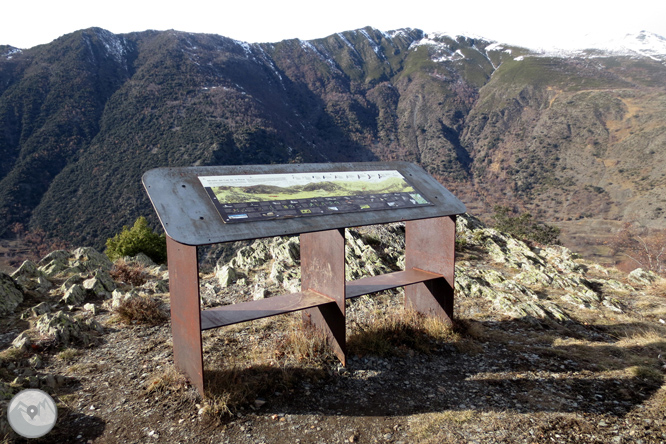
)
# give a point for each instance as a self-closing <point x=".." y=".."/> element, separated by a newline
<point x="373" y="284"/>
<point x="430" y="246"/>
<point x="190" y="219"/>
<point x="323" y="271"/>
<point x="185" y="311"/>
<point x="263" y="308"/>
<point x="189" y="216"/>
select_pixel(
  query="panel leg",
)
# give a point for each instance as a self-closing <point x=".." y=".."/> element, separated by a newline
<point x="185" y="311"/>
<point x="430" y="246"/>
<point x="323" y="271"/>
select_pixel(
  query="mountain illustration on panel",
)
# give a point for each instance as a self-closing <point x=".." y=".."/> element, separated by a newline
<point x="260" y="193"/>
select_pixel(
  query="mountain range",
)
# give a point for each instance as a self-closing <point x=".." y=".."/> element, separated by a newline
<point x="575" y="137"/>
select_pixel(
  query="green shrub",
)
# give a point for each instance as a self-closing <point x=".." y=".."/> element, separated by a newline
<point x="524" y="227"/>
<point x="138" y="239"/>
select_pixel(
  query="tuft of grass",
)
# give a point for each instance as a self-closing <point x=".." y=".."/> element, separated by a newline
<point x="141" y="310"/>
<point x="11" y="355"/>
<point x="397" y="332"/>
<point x="68" y="354"/>
<point x="170" y="379"/>
<point x="433" y="428"/>
<point x="649" y="374"/>
<point x="303" y="344"/>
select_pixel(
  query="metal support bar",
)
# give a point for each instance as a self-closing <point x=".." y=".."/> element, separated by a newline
<point x="430" y="246"/>
<point x="185" y="311"/>
<point x="323" y="271"/>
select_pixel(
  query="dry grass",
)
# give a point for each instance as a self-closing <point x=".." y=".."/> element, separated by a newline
<point x="168" y="380"/>
<point x="281" y="352"/>
<point x="11" y="354"/>
<point x="68" y="355"/>
<point x="257" y="360"/>
<point x="396" y="332"/>
<point x="141" y="310"/>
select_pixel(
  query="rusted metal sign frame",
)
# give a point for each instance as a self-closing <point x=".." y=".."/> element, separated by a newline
<point x="190" y="217"/>
<point x="428" y="277"/>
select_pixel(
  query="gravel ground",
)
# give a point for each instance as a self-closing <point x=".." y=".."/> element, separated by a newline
<point x="500" y="380"/>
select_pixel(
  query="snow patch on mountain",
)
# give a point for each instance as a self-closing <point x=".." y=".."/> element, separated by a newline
<point x="11" y="52"/>
<point x="115" y="45"/>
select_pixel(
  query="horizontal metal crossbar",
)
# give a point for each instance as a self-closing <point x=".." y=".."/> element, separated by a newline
<point x="263" y="308"/>
<point x="387" y="281"/>
<point x="287" y="303"/>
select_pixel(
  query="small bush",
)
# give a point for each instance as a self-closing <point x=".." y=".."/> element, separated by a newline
<point x="141" y="310"/>
<point x="138" y="239"/>
<point x="524" y="227"/>
<point x="122" y="272"/>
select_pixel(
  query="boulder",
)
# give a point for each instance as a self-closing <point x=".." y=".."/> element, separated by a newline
<point x="22" y="342"/>
<point x="118" y="297"/>
<point x="225" y="275"/>
<point x="90" y="259"/>
<point x="37" y="310"/>
<point x="27" y="270"/>
<point x="75" y="295"/>
<point x="10" y="294"/>
<point x="54" y="267"/>
<point x="642" y="277"/>
<point x="61" y="255"/>
<point x="63" y="328"/>
<point x="139" y="259"/>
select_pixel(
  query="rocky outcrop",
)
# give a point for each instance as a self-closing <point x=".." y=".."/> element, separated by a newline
<point x="10" y="294"/>
<point x="519" y="280"/>
<point x="66" y="329"/>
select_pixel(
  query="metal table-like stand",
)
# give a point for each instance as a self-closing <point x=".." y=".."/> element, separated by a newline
<point x="191" y="220"/>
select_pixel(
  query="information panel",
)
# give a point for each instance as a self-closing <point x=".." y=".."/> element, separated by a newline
<point x="243" y="198"/>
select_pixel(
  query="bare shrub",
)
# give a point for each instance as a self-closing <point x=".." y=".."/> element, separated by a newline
<point x="132" y="275"/>
<point x="141" y="310"/>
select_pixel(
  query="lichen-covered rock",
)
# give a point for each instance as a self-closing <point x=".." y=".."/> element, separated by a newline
<point x="252" y="256"/>
<point x="466" y="224"/>
<point x="156" y="286"/>
<point x="27" y="270"/>
<point x="562" y="259"/>
<point x="92" y="308"/>
<point x="534" y="277"/>
<point x="225" y="275"/>
<point x="642" y="277"/>
<point x="37" y="310"/>
<point x="64" y="328"/>
<point x="118" y="297"/>
<point x="54" y="255"/>
<point x="22" y="342"/>
<point x="55" y="266"/>
<point x="74" y="295"/>
<point x="139" y="259"/>
<point x="90" y="259"/>
<point x="506" y="249"/>
<point x="361" y="259"/>
<point x="100" y="284"/>
<point x="289" y="252"/>
<point x="10" y="294"/>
